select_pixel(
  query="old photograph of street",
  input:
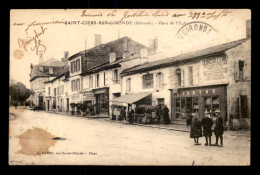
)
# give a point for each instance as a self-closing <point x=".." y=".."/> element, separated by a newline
<point x="149" y="87"/>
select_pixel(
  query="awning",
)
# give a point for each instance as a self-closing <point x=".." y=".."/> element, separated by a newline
<point x="131" y="98"/>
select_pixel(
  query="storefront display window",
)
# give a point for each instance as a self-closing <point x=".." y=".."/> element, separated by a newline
<point x="212" y="104"/>
<point x="195" y="105"/>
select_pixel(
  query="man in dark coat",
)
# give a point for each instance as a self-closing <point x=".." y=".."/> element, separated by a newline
<point x="158" y="112"/>
<point x="123" y="115"/>
<point x="131" y="115"/>
<point x="195" y="130"/>
<point x="219" y="129"/>
<point x="165" y="114"/>
<point x="207" y="123"/>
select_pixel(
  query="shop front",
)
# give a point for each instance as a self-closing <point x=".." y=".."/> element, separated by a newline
<point x="198" y="100"/>
<point x="88" y="102"/>
<point x="102" y="103"/>
<point x="48" y="103"/>
<point x="75" y="101"/>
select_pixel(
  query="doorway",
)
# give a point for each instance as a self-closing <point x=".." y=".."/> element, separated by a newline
<point x="48" y="105"/>
<point x="68" y="105"/>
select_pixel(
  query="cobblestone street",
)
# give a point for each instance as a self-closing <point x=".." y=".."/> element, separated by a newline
<point x="85" y="141"/>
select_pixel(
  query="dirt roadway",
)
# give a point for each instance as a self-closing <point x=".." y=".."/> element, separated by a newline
<point x="99" y="142"/>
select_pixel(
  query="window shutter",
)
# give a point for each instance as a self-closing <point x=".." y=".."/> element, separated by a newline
<point x="162" y="80"/>
<point x="182" y="77"/>
<point x="196" y="75"/>
<point x="236" y="68"/>
<point x="247" y="71"/>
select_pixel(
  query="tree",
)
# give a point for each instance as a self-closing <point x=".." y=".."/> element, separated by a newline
<point x="19" y="92"/>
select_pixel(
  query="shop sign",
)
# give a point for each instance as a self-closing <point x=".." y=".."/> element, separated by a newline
<point x="194" y="92"/>
<point x="76" y="98"/>
<point x="88" y="96"/>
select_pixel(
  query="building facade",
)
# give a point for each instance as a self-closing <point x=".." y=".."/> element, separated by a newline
<point x="216" y="78"/>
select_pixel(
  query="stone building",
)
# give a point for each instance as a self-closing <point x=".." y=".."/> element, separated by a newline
<point x="42" y="72"/>
<point x="214" y="78"/>
<point x="94" y="73"/>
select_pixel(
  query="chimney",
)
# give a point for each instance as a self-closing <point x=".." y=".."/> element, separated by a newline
<point x="40" y="57"/>
<point x="112" y="57"/>
<point x="66" y="54"/>
<point x="144" y="56"/>
<point x="97" y="40"/>
<point x="248" y="28"/>
<point x="153" y="44"/>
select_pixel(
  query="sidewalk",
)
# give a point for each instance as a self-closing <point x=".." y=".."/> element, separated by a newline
<point x="186" y="128"/>
<point x="172" y="126"/>
<point x="64" y="113"/>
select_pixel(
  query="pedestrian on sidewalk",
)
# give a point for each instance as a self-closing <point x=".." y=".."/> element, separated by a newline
<point x="207" y="123"/>
<point x="131" y="115"/>
<point x="219" y="129"/>
<point x="123" y="115"/>
<point x="196" y="131"/>
<point x="165" y="114"/>
<point x="158" y="113"/>
<point x="15" y="105"/>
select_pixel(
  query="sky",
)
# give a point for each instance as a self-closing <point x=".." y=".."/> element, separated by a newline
<point x="60" y="37"/>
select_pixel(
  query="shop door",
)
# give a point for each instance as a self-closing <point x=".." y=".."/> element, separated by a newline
<point x="68" y="106"/>
<point x="48" y="105"/>
<point x="243" y="106"/>
<point x="40" y="100"/>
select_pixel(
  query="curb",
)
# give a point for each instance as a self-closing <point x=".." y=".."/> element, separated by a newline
<point x="153" y="126"/>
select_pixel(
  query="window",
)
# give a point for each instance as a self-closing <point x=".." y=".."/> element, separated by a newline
<point x="178" y="72"/>
<point x="91" y="82"/>
<point x="160" y="101"/>
<point x="72" y="85"/>
<point x="212" y="103"/>
<point x="241" y="70"/>
<point x="115" y="76"/>
<point x="62" y="89"/>
<point x="72" y="67"/>
<point x="50" y="70"/>
<point x="190" y="75"/>
<point x="159" y="80"/>
<point x="40" y="69"/>
<point x="104" y="79"/>
<point x="97" y="80"/>
<point x="128" y="85"/>
<point x="77" y="85"/>
<point x="148" y="81"/>
<point x="75" y="66"/>
<point x="54" y="91"/>
<point x="49" y="90"/>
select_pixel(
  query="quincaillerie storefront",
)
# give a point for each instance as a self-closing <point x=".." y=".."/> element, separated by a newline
<point x="198" y="99"/>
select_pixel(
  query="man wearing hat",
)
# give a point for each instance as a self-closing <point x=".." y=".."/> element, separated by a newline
<point x="207" y="123"/>
<point x="219" y="129"/>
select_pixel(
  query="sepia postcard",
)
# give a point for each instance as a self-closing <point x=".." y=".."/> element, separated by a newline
<point x="129" y="87"/>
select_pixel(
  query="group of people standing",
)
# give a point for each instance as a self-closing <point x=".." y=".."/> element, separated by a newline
<point x="130" y="114"/>
<point x="206" y="124"/>
<point x="159" y="112"/>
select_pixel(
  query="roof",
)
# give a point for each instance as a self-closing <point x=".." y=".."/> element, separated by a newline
<point x="131" y="98"/>
<point x="51" y="62"/>
<point x="171" y="60"/>
<point x="102" y="48"/>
